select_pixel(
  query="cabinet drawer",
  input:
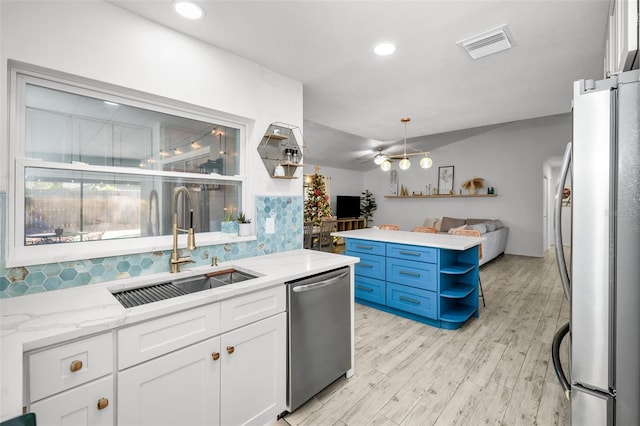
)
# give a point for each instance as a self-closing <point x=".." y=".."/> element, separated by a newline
<point x="415" y="274"/>
<point x="365" y="246"/>
<point x="370" y="266"/>
<point x="253" y="307"/>
<point x="63" y="367"/>
<point x="79" y="406"/>
<point x="370" y="289"/>
<point x="415" y="253"/>
<point x="413" y="300"/>
<point x="154" y="338"/>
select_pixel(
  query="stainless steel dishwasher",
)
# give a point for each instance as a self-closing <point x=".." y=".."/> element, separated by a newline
<point x="319" y="345"/>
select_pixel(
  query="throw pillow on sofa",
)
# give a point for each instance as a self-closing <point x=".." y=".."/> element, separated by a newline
<point x="479" y="227"/>
<point x="451" y="222"/>
<point x="459" y="228"/>
<point x="490" y="225"/>
<point x="432" y="222"/>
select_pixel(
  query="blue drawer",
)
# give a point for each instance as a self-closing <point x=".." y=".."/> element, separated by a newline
<point x="365" y="246"/>
<point x="413" y="300"/>
<point x="370" y="289"/>
<point x="369" y="265"/>
<point x="414" y="274"/>
<point x="409" y="252"/>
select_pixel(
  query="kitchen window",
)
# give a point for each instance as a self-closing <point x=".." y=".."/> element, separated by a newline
<point x="95" y="170"/>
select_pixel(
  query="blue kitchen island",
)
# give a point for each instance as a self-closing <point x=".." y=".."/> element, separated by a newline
<point x="430" y="278"/>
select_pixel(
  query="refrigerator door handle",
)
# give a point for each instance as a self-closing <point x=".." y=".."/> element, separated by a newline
<point x="557" y="224"/>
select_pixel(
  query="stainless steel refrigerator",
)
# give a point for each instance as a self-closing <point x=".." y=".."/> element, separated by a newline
<point x="603" y="279"/>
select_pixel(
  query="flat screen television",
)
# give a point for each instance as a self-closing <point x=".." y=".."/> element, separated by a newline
<point x="347" y="206"/>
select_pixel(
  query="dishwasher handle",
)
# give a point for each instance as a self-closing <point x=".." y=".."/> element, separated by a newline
<point x="320" y="284"/>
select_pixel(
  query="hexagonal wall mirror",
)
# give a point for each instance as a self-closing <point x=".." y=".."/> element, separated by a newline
<point x="280" y="151"/>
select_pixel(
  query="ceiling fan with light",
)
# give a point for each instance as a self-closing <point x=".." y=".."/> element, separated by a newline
<point x="384" y="161"/>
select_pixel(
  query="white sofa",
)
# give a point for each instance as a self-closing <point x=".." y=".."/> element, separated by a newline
<point x="491" y="229"/>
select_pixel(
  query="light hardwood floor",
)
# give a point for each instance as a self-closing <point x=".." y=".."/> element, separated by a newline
<point x="496" y="370"/>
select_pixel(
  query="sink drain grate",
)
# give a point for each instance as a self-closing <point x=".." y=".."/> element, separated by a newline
<point x="143" y="295"/>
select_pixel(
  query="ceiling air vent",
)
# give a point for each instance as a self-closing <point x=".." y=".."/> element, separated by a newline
<point x="487" y="43"/>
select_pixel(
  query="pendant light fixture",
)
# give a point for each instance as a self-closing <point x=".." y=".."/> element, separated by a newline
<point x="405" y="163"/>
<point x="426" y="162"/>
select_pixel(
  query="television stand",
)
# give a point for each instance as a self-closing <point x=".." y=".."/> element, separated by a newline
<point x="350" y="224"/>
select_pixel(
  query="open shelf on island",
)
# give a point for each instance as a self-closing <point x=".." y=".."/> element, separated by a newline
<point x="457" y="268"/>
<point x="457" y="291"/>
<point x="458" y="313"/>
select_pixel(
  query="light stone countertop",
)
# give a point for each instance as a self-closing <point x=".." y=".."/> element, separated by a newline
<point x="443" y="241"/>
<point x="38" y="320"/>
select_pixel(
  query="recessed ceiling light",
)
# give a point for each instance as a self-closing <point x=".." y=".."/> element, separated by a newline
<point x="111" y="103"/>
<point x="188" y="9"/>
<point x="384" y="49"/>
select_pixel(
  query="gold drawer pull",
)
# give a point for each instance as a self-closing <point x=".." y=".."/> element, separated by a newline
<point x="75" y="365"/>
<point x="215" y="356"/>
<point x="230" y="349"/>
<point x="103" y="403"/>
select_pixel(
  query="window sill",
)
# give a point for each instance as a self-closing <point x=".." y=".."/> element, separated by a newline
<point x="55" y="253"/>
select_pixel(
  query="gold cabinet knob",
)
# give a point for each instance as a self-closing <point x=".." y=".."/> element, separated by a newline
<point x="230" y="349"/>
<point x="75" y="365"/>
<point x="103" y="403"/>
<point x="215" y="356"/>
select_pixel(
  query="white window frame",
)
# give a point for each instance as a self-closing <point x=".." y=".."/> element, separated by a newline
<point x="19" y="254"/>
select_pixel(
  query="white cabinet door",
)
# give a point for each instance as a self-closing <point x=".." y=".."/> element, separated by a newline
<point x="90" y="404"/>
<point x="254" y="372"/>
<point x="180" y="388"/>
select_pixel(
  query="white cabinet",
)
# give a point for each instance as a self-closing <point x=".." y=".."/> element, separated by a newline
<point x="254" y="372"/>
<point x="224" y="363"/>
<point x="234" y="379"/>
<point x="72" y="384"/>
<point x="218" y="364"/>
<point x="180" y="388"/>
<point x="87" y="405"/>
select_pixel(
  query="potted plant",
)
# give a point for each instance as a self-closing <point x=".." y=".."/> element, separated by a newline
<point x="229" y="226"/>
<point x="244" y="225"/>
<point x="367" y="207"/>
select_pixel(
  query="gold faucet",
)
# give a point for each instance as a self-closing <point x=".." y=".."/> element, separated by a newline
<point x="176" y="260"/>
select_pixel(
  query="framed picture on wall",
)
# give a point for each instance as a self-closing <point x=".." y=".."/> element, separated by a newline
<point x="445" y="180"/>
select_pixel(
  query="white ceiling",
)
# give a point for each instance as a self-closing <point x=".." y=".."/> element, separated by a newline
<point x="353" y="100"/>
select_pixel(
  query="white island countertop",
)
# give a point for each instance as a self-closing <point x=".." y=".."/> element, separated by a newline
<point x="38" y="320"/>
<point x="442" y="241"/>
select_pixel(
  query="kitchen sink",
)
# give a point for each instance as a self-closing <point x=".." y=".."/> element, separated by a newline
<point x="154" y="293"/>
<point x="212" y="280"/>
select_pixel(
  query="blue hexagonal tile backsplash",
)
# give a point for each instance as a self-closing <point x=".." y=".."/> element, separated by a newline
<point x="286" y="210"/>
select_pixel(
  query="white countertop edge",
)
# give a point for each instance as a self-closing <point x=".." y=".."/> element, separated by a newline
<point x="443" y="241"/>
<point x="43" y="319"/>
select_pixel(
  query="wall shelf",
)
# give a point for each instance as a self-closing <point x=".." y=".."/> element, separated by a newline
<point x="443" y="196"/>
<point x="279" y="146"/>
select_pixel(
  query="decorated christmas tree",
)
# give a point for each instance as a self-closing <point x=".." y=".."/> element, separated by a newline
<point x="317" y="206"/>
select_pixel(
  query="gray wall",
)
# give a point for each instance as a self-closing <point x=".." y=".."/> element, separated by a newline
<point x="509" y="157"/>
